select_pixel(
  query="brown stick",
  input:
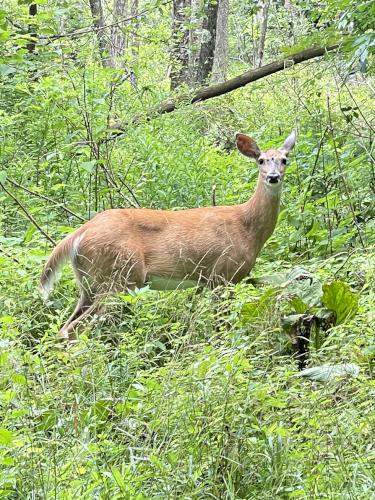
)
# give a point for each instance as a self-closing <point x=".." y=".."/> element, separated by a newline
<point x="237" y="82"/>
<point x="46" y="198"/>
<point x="9" y="256"/>
<point x="28" y="215"/>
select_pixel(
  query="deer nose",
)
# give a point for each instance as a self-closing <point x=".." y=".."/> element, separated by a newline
<point x="273" y="178"/>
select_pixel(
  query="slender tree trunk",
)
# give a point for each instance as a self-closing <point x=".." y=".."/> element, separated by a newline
<point x="220" y="64"/>
<point x="33" y="10"/>
<point x="118" y="40"/>
<point x="263" y="32"/>
<point x="206" y="55"/>
<point x="98" y="21"/>
<point x="180" y="42"/>
<point x="134" y="40"/>
<point x="194" y="39"/>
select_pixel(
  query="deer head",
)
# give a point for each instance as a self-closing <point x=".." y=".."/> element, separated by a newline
<point x="272" y="163"/>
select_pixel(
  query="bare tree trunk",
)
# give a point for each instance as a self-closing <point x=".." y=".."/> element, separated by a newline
<point x="194" y="39"/>
<point x="180" y="42"/>
<point x="98" y="21"/>
<point x="33" y="10"/>
<point x="206" y="55"/>
<point x="134" y="40"/>
<point x="220" y="64"/>
<point x="292" y="12"/>
<point x="263" y="31"/>
<point x="118" y="40"/>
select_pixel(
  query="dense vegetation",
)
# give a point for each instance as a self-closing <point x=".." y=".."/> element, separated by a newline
<point x="186" y="396"/>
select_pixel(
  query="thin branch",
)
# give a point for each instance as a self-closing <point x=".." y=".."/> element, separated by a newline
<point x="46" y="198"/>
<point x="213" y="195"/>
<point x="314" y="166"/>
<point x="90" y="29"/>
<point x="28" y="215"/>
<point x="9" y="256"/>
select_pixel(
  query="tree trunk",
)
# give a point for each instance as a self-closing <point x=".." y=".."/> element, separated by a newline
<point x="220" y="65"/>
<point x="194" y="40"/>
<point x="180" y="42"/>
<point x="33" y="10"/>
<point x="118" y="40"/>
<point x="98" y="21"/>
<point x="206" y="55"/>
<point x="263" y="31"/>
<point x="134" y="40"/>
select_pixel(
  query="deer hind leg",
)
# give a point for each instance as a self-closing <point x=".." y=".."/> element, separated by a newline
<point x="84" y="307"/>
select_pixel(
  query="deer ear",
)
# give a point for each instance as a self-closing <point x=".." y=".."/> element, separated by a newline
<point x="247" y="146"/>
<point x="289" y="142"/>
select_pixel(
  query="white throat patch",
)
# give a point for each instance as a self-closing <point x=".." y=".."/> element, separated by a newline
<point x="274" y="189"/>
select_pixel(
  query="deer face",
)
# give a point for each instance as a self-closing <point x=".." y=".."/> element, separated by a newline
<point x="272" y="163"/>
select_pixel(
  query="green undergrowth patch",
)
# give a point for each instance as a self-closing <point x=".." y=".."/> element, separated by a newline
<point x="187" y="395"/>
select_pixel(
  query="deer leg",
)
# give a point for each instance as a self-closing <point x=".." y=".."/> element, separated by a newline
<point x="83" y="308"/>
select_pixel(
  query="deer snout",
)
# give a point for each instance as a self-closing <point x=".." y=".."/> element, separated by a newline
<point x="273" y="178"/>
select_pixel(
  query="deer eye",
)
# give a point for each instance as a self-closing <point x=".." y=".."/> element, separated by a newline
<point x="261" y="161"/>
<point x="284" y="161"/>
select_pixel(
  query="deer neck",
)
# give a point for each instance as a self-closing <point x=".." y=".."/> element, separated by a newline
<point x="261" y="212"/>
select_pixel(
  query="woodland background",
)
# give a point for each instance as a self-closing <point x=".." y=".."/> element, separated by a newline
<point x="119" y="103"/>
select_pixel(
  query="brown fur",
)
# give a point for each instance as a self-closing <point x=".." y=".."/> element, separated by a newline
<point x="124" y="248"/>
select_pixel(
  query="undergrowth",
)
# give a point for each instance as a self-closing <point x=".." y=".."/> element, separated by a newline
<point x="183" y="396"/>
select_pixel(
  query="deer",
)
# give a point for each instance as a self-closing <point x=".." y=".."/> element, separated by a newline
<point x="127" y="248"/>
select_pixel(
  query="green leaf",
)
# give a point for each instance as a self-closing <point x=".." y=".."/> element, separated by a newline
<point x="298" y="305"/>
<point x="88" y="165"/>
<point x="324" y="373"/>
<point x="3" y="175"/>
<point x="118" y="477"/>
<point x="258" y="308"/>
<point x="6" y="436"/>
<point x="338" y="297"/>
<point x="6" y="70"/>
<point x="29" y="233"/>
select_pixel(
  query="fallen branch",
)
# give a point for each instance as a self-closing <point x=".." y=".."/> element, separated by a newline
<point x="237" y="82"/>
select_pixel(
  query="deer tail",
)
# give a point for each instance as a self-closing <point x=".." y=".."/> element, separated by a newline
<point x="63" y="251"/>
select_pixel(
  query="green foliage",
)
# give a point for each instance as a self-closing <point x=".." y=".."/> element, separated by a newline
<point x="338" y="298"/>
<point x="185" y="396"/>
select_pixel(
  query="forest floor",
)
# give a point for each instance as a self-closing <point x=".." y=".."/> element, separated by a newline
<point x="187" y="397"/>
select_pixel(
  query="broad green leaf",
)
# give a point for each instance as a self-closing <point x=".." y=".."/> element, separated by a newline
<point x="3" y="175"/>
<point x="324" y="373"/>
<point x="29" y="233"/>
<point x="338" y="297"/>
<point x="88" y="165"/>
<point x="6" y="436"/>
<point x="6" y="70"/>
<point x="298" y="305"/>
